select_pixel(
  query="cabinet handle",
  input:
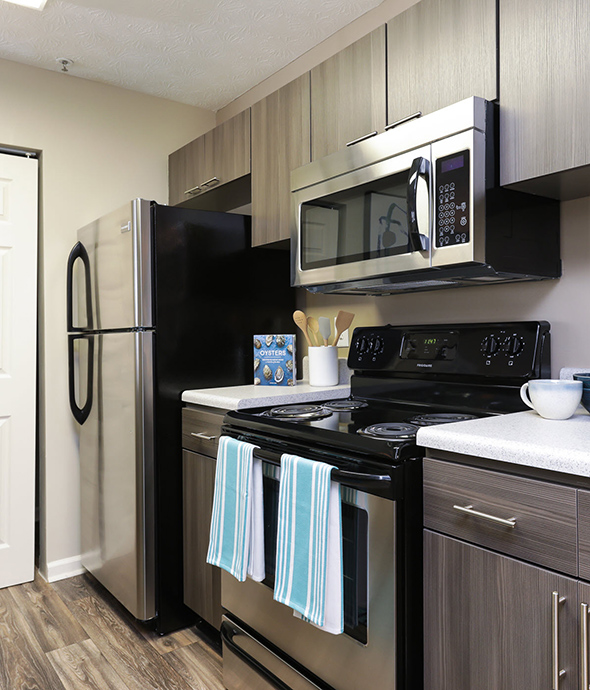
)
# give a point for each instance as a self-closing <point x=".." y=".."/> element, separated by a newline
<point x="584" y="646"/>
<point x="213" y="180"/>
<point x="203" y="436"/>
<point x="365" y="136"/>
<point x="404" y="119"/>
<point x="193" y="190"/>
<point x="557" y="673"/>
<point x="508" y="522"/>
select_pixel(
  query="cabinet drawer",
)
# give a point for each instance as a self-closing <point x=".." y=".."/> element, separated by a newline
<point x="201" y="430"/>
<point x="544" y="514"/>
<point x="584" y="533"/>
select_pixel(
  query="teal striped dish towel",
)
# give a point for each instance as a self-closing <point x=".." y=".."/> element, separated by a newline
<point x="309" y="543"/>
<point x="236" y="538"/>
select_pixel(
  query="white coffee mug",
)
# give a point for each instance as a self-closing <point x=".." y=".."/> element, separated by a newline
<point x="552" y="398"/>
<point x="323" y="365"/>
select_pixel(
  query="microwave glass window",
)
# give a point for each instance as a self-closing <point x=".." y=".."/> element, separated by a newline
<point x="365" y="222"/>
<point x="355" y="550"/>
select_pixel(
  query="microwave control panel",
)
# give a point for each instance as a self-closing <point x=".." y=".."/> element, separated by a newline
<point x="452" y="196"/>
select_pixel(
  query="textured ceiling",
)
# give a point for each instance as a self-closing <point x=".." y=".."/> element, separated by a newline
<point x="200" y="52"/>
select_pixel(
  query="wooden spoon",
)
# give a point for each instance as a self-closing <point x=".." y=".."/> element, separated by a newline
<point x="301" y="320"/>
<point x="343" y="321"/>
<point x="314" y="327"/>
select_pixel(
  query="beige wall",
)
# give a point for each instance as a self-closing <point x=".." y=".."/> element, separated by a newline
<point x="101" y="146"/>
<point x="562" y="302"/>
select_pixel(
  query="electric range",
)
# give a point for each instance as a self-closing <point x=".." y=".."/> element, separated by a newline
<point x="404" y="378"/>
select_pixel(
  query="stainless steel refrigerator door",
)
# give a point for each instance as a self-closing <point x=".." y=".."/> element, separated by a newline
<point x="117" y="269"/>
<point x="116" y="467"/>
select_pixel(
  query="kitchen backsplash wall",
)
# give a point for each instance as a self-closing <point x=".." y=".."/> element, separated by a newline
<point x="562" y="302"/>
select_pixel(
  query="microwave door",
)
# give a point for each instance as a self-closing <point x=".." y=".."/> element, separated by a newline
<point x="369" y="222"/>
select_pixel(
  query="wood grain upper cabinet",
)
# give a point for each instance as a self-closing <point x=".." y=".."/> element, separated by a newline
<point x="545" y="95"/>
<point x="440" y="52"/>
<point x="218" y="156"/>
<point x="280" y="143"/>
<point x="348" y="95"/>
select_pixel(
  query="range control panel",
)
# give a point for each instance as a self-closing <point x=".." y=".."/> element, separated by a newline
<point x="501" y="350"/>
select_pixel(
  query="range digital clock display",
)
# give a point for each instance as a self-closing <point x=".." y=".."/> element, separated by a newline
<point x="429" y="346"/>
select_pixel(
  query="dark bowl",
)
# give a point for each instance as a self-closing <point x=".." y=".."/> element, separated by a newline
<point x="584" y="377"/>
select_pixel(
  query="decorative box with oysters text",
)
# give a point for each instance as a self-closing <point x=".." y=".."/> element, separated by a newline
<point x="274" y="360"/>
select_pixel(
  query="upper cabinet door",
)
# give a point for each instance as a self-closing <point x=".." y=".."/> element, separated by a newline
<point x="440" y="52"/>
<point x="218" y="156"/>
<point x="348" y="95"/>
<point x="545" y="97"/>
<point x="280" y="143"/>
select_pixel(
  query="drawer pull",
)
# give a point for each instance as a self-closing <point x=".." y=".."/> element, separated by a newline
<point x="203" y="436"/>
<point x="193" y="190"/>
<point x="584" y="676"/>
<point x="507" y="522"/>
<point x="557" y="673"/>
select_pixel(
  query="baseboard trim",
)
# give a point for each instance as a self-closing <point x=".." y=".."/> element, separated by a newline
<point x="62" y="569"/>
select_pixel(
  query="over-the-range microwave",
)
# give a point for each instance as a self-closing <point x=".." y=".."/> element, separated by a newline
<point x="418" y="207"/>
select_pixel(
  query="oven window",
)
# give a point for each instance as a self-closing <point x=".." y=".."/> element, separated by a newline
<point x="364" y="222"/>
<point x="355" y="546"/>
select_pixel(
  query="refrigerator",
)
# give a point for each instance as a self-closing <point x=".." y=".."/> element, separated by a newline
<point x="159" y="300"/>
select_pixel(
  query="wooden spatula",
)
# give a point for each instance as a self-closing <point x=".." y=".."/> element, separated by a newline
<point x="343" y="321"/>
<point x="301" y="320"/>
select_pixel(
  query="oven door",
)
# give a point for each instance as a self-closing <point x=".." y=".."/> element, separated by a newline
<point x="369" y="222"/>
<point x="365" y="654"/>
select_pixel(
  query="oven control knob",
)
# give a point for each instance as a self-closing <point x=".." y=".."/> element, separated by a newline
<point x="514" y="345"/>
<point x="490" y="345"/>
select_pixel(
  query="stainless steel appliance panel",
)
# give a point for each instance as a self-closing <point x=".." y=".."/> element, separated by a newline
<point x="339" y="660"/>
<point x="116" y="457"/>
<point x="118" y="248"/>
<point x="248" y="663"/>
<point x="358" y="216"/>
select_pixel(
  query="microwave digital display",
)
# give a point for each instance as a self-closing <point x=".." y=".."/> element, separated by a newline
<point x="449" y="164"/>
<point x="452" y="194"/>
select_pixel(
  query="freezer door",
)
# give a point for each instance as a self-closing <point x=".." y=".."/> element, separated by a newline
<point x="117" y="467"/>
<point x="113" y="261"/>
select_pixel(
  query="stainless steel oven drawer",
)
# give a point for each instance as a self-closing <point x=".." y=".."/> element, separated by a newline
<point x="248" y="663"/>
<point x="526" y="518"/>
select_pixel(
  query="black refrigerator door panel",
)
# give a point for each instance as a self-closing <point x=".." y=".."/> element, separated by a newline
<point x="213" y="293"/>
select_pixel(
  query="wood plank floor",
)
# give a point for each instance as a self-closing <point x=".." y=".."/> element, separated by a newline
<point x="73" y="635"/>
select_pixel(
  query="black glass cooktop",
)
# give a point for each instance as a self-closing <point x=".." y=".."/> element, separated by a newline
<point x="380" y="428"/>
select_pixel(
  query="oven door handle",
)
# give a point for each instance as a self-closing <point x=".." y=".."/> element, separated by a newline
<point x="356" y="480"/>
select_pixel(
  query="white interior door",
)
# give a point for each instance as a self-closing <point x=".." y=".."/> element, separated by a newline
<point x="18" y="366"/>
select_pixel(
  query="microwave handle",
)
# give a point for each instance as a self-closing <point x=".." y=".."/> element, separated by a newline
<point x="420" y="168"/>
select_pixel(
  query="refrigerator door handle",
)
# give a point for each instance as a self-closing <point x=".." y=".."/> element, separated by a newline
<point x="78" y="252"/>
<point x="80" y="413"/>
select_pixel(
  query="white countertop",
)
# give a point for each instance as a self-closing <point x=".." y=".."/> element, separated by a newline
<point x="241" y="397"/>
<point x="523" y="438"/>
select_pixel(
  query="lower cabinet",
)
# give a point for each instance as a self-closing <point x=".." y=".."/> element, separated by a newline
<point x="202" y="582"/>
<point x="505" y="601"/>
<point x="492" y="622"/>
<point x="201" y="429"/>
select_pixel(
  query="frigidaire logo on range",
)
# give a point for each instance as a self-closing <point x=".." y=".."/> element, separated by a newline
<point x="418" y="364"/>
